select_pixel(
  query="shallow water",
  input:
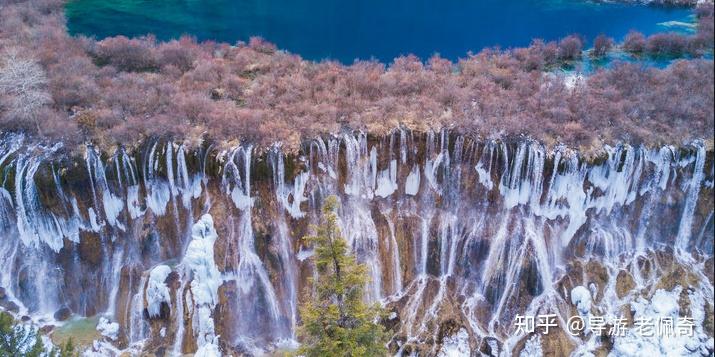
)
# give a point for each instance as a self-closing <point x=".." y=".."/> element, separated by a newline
<point x="382" y="29"/>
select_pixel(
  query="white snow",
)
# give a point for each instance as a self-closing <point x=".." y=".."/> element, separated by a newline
<point x="581" y="297"/>
<point x="664" y="304"/>
<point x="304" y="254"/>
<point x="206" y="278"/>
<point x="532" y="348"/>
<point x="456" y="345"/>
<point x="572" y="80"/>
<point x="208" y="350"/>
<point x="107" y="328"/>
<point x="156" y="291"/>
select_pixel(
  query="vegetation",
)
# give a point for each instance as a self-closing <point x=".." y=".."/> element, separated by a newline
<point x="120" y="90"/>
<point x="337" y="321"/>
<point x="18" y="340"/>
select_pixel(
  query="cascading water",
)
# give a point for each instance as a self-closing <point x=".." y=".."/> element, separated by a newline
<point x="459" y="236"/>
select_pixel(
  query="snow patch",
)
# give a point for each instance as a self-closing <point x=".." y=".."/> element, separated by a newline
<point x="664" y="305"/>
<point x="581" y="298"/>
<point x="456" y="345"/>
<point x="532" y="348"/>
<point x="108" y="329"/>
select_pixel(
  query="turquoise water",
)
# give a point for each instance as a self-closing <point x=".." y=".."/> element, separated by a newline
<point x="383" y="29"/>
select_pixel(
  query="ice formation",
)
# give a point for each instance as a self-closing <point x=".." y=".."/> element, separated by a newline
<point x="157" y="292"/>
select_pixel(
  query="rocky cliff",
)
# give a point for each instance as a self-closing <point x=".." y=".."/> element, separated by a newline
<point x="198" y="249"/>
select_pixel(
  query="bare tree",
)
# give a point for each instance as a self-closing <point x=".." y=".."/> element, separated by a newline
<point x="23" y="85"/>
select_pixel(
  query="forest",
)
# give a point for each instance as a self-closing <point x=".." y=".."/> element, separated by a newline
<point x="119" y="91"/>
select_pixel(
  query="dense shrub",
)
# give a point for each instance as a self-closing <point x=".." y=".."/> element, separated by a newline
<point x="570" y="48"/>
<point x="127" y="54"/>
<point x="180" y="54"/>
<point x="601" y="45"/>
<point x="119" y="90"/>
<point x="666" y="44"/>
<point x="634" y="42"/>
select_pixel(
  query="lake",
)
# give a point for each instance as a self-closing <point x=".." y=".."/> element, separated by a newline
<point x="345" y="30"/>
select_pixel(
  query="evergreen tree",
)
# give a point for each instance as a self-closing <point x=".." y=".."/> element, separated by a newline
<point x="337" y="321"/>
<point x="18" y="340"/>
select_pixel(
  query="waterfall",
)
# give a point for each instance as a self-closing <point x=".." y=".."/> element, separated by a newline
<point x="290" y="199"/>
<point x="458" y="234"/>
<point x="249" y="272"/>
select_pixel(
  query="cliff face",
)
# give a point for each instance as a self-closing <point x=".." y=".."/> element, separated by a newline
<point x="190" y="250"/>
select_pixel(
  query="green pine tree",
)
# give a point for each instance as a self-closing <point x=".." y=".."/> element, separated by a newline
<point x="17" y="340"/>
<point x="337" y="321"/>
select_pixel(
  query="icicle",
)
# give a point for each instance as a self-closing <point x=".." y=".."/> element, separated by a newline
<point x="158" y="192"/>
<point x="412" y="184"/>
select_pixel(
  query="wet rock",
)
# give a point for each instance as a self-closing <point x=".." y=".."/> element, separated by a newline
<point x="644" y="266"/>
<point x="624" y="284"/>
<point x="392" y="320"/>
<point x="10" y="306"/>
<point x="709" y="323"/>
<point x="90" y="248"/>
<point x="597" y="274"/>
<point x="490" y="346"/>
<point x="710" y="269"/>
<point x="3" y="294"/>
<point x="25" y="318"/>
<point x="395" y="342"/>
<point x="63" y="313"/>
<point x="573" y="278"/>
<point x="447" y="328"/>
<point x="46" y="329"/>
<point x="557" y="343"/>
<point x="677" y="276"/>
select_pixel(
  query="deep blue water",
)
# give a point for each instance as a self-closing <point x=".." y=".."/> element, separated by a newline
<point x="382" y="29"/>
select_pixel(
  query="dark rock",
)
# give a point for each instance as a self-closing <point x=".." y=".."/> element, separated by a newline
<point x="25" y="318"/>
<point x="392" y="322"/>
<point x="3" y="294"/>
<point x="164" y="312"/>
<point x="46" y="329"/>
<point x="490" y="346"/>
<point x="10" y="306"/>
<point x="710" y="269"/>
<point x="90" y="248"/>
<point x="63" y="313"/>
<point x="447" y="328"/>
